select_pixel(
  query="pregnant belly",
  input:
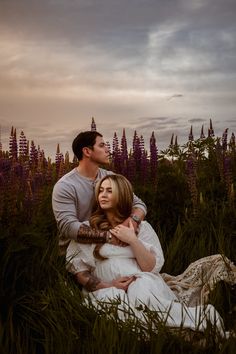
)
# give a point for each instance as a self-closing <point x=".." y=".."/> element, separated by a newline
<point x="114" y="268"/>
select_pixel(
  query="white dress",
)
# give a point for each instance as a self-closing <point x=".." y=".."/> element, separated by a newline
<point x="149" y="289"/>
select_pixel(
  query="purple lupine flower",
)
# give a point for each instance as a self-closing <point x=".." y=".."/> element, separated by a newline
<point x="224" y="140"/>
<point x="59" y="161"/>
<point x="144" y="164"/>
<point x="93" y="125"/>
<point x="228" y="177"/>
<point x="176" y="141"/>
<point x="211" y="133"/>
<point x="33" y="155"/>
<point x="232" y="143"/>
<point x="13" y="144"/>
<point x="108" y="145"/>
<point x="115" y="143"/>
<point x="116" y="154"/>
<point x="49" y="172"/>
<point x="191" y="171"/>
<point x="142" y="144"/>
<point x="0" y="141"/>
<point x="137" y="151"/>
<point x="23" y="146"/>
<point x="40" y="166"/>
<point x="67" y="162"/>
<point x="123" y="147"/>
<point x="190" y="137"/>
<point x="220" y="158"/>
<point x="123" y="154"/>
<point x="131" y="168"/>
<point x="171" y="141"/>
<point x="2" y="187"/>
<point x="11" y="141"/>
<point x="202" y="135"/>
<point x="153" y="158"/>
<point x="135" y="137"/>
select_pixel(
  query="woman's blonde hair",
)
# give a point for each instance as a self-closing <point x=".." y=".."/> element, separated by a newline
<point x="123" y="195"/>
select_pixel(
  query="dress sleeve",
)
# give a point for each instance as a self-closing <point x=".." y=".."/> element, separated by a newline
<point x="80" y="257"/>
<point x="150" y="240"/>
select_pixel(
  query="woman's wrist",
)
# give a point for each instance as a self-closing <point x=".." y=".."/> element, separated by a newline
<point x="133" y="240"/>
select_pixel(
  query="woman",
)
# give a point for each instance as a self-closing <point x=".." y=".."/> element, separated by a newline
<point x="130" y="273"/>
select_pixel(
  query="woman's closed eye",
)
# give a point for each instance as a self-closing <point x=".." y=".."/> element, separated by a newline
<point x="108" y="190"/>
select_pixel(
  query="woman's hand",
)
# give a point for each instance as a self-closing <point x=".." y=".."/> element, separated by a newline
<point x="122" y="282"/>
<point x="124" y="233"/>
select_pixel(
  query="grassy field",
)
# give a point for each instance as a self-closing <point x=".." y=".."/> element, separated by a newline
<point x="191" y="205"/>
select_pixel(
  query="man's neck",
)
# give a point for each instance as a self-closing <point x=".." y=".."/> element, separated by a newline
<point x="88" y="170"/>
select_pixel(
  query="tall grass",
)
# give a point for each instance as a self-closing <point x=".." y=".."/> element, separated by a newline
<point x="191" y="205"/>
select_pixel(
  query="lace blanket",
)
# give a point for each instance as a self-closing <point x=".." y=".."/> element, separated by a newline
<point x="193" y="286"/>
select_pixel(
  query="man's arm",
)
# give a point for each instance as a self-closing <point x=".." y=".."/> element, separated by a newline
<point x="92" y="283"/>
<point x="88" y="235"/>
<point x="139" y="207"/>
<point x="139" y="212"/>
<point x="69" y="227"/>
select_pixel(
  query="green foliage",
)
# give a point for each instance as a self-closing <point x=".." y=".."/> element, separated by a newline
<point x="191" y="205"/>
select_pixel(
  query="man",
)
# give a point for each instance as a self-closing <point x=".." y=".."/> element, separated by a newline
<point x="73" y="194"/>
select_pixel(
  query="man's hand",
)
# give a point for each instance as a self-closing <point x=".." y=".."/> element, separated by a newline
<point x="123" y="282"/>
<point x="127" y="223"/>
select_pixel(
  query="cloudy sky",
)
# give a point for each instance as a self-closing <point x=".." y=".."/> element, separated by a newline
<point x="149" y="65"/>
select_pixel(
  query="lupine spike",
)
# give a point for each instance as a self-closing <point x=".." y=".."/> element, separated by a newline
<point x="0" y="141"/>
<point x="153" y="157"/>
<point x="224" y="139"/>
<point x="176" y="141"/>
<point x="142" y="144"/>
<point x="211" y="133"/>
<point x="190" y="137"/>
<point x="202" y="135"/>
<point x="93" y="125"/>
<point x="23" y="146"/>
<point x="172" y="140"/>
<point x="123" y="147"/>
<point x="191" y="168"/>
<point x="116" y="153"/>
<point x="13" y="144"/>
<point x="33" y="154"/>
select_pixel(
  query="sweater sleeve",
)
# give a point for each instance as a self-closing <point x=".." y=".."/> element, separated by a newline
<point x="64" y="209"/>
<point x="138" y="203"/>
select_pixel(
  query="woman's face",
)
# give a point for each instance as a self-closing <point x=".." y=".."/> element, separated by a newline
<point x="106" y="197"/>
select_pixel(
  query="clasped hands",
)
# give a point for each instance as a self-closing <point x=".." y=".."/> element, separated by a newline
<point x="123" y="282"/>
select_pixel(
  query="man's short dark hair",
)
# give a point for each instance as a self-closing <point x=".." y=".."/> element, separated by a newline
<point x="84" y="139"/>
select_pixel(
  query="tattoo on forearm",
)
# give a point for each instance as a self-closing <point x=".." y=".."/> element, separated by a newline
<point x="88" y="235"/>
<point x="92" y="282"/>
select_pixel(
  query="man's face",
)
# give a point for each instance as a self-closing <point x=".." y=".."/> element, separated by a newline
<point x="99" y="153"/>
